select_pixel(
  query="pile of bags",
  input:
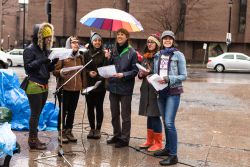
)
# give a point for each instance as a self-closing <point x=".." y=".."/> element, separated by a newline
<point x="14" y="99"/>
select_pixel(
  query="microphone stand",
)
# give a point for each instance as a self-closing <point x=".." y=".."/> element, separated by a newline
<point x="61" y="152"/>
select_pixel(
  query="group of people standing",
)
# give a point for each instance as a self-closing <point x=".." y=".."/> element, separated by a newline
<point x="160" y="57"/>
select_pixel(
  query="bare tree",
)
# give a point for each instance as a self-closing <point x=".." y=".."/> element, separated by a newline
<point x="170" y="15"/>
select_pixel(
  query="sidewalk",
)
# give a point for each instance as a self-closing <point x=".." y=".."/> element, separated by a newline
<point x="198" y="65"/>
<point x="213" y="125"/>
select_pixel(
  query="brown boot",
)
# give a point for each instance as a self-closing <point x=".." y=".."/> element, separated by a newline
<point x="40" y="142"/>
<point x="70" y="135"/>
<point x="64" y="137"/>
<point x="91" y="134"/>
<point x="34" y="142"/>
<point x="97" y="134"/>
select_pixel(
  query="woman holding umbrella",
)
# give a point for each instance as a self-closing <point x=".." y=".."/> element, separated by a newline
<point x="121" y="87"/>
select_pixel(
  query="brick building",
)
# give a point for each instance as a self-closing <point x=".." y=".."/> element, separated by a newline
<point x="195" y="22"/>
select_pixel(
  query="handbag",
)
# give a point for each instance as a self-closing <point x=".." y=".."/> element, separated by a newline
<point x="25" y="83"/>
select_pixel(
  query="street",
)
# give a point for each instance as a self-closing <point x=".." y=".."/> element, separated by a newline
<point x="213" y="125"/>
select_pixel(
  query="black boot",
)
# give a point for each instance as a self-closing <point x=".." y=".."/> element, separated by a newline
<point x="113" y="140"/>
<point x="171" y="160"/>
<point x="163" y="152"/>
<point x="121" y="144"/>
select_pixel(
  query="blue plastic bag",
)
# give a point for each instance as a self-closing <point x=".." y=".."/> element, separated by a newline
<point x="48" y="117"/>
<point x="7" y="140"/>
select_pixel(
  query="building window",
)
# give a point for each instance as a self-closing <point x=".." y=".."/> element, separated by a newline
<point x="242" y="16"/>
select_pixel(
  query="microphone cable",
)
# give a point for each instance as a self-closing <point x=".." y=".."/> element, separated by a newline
<point x="146" y="153"/>
<point x="143" y="151"/>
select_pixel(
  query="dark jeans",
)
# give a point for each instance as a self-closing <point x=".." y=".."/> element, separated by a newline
<point x="70" y="100"/>
<point x="121" y="131"/>
<point x="95" y="101"/>
<point x="37" y="102"/>
<point x="154" y="123"/>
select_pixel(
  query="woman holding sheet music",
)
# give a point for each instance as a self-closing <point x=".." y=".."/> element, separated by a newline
<point x="95" y="98"/>
<point x="38" y="67"/>
<point x="71" y="90"/>
<point x="148" y="99"/>
<point x="170" y="64"/>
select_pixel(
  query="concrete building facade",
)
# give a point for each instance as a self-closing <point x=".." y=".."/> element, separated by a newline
<point x="195" y="22"/>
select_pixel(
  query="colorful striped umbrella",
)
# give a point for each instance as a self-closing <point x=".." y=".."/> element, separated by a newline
<point x="111" y="19"/>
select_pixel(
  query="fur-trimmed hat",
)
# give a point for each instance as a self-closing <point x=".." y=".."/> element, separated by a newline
<point x="46" y="31"/>
<point x="168" y="33"/>
<point x="156" y="38"/>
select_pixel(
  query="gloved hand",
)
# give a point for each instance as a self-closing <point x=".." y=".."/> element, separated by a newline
<point x="63" y="74"/>
<point x="44" y="60"/>
<point x="54" y="61"/>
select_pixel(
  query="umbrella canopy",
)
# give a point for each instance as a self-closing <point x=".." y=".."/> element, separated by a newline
<point x="111" y="19"/>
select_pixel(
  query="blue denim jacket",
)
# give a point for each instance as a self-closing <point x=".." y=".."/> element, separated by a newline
<point x="177" y="70"/>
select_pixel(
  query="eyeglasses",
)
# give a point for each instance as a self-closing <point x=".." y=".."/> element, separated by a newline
<point x="75" y="42"/>
<point x="150" y="42"/>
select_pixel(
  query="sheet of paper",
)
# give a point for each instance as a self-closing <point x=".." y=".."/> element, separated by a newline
<point x="153" y="79"/>
<point x="107" y="71"/>
<point x="61" y="53"/>
<point x="67" y="69"/>
<point x="140" y="67"/>
<point x="90" y="88"/>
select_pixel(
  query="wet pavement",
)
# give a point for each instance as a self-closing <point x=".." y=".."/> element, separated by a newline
<point x="213" y="125"/>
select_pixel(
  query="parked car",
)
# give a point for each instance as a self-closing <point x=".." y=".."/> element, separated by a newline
<point x="229" y="61"/>
<point x="15" y="57"/>
<point x="3" y="60"/>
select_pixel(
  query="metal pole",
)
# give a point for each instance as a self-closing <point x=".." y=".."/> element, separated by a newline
<point x="8" y="42"/>
<point x="24" y="25"/>
<point x="49" y="11"/>
<point x="229" y="20"/>
<point x="1" y="35"/>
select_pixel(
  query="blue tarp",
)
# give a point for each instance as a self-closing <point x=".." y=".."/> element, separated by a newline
<point x="15" y="99"/>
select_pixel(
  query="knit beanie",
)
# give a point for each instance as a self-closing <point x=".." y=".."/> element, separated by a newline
<point x="46" y="32"/>
<point x="156" y="38"/>
<point x="168" y="33"/>
<point x="94" y="35"/>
